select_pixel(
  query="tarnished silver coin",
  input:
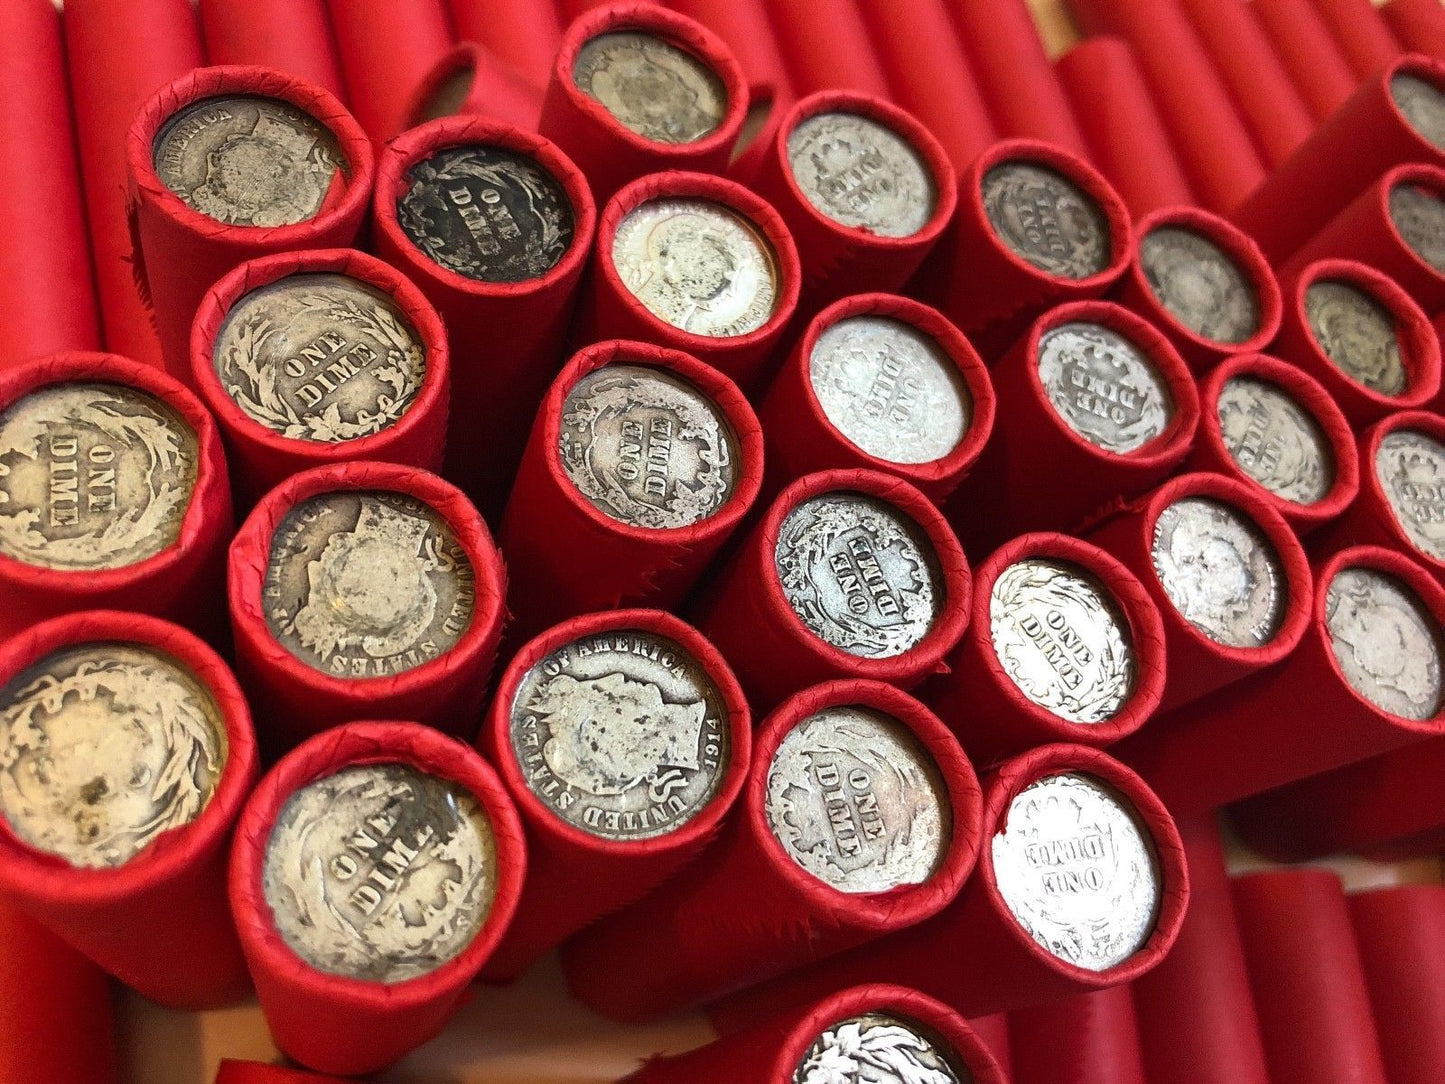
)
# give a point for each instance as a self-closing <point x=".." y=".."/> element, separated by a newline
<point x="1419" y="215"/>
<point x="102" y="748"/>
<point x="487" y="213"/>
<point x="652" y="87"/>
<point x="1047" y="220"/>
<point x="1411" y="468"/>
<point x="1104" y="387"/>
<point x="1423" y="104"/>
<point x="93" y="476"/>
<point x="1200" y="284"/>
<point x="364" y="583"/>
<point x="622" y="734"/>
<point x="1358" y="334"/>
<point x="857" y="801"/>
<point x="1062" y="639"/>
<point x="1077" y="868"/>
<point x="380" y="873"/>
<point x="862" y="174"/>
<point x="859" y="574"/>
<point x="647" y="447"/>
<point x="1274" y="440"/>
<point x="698" y="266"/>
<point x="1387" y="644"/>
<point x="879" y="1048"/>
<point x="248" y="160"/>
<point x="890" y="389"/>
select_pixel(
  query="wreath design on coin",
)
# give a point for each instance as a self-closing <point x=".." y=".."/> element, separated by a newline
<point x="843" y="1053"/>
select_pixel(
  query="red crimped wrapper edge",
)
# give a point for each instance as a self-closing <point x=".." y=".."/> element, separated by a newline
<point x="495" y="89"/>
<point x="1089" y="1038"/>
<point x="253" y="1072"/>
<point x="1401" y="934"/>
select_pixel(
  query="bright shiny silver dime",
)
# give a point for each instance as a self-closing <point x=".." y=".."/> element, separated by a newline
<point x="1410" y="466"/>
<point x="862" y="174"/>
<point x="1047" y="220"/>
<point x="859" y="574"/>
<point x="1387" y="644"/>
<point x="93" y="476"/>
<point x="1274" y="440"/>
<point x="879" y="1048"/>
<point x="652" y="87"/>
<point x="1358" y="334"/>
<point x="1200" y="284"/>
<point x="1077" y="868"/>
<point x="1104" y="387"/>
<point x="380" y="873"/>
<point x="1423" y="104"/>
<point x="364" y="584"/>
<point x="487" y="214"/>
<point x="248" y="160"/>
<point x="1419" y="215"/>
<point x="1062" y="639"/>
<point x="103" y="747"/>
<point x="622" y="734"/>
<point x="890" y="389"/>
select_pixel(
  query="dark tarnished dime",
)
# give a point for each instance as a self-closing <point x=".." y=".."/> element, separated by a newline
<point x="878" y="1048"/>
<point x="1200" y="284"/>
<point x="92" y="476"/>
<point x="1423" y="104"/>
<point x="862" y="174"/>
<point x="1047" y="220"/>
<point x="652" y="87"/>
<point x="1419" y="215"/>
<point x="1387" y="644"/>
<point x="1358" y="334"/>
<point x="1275" y="441"/>
<point x="1104" y="387"/>
<point x="1410" y="466"/>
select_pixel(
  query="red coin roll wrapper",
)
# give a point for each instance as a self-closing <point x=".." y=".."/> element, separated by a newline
<point x="524" y="34"/>
<point x="293" y="36"/>
<point x="471" y="80"/>
<point x="750" y="911"/>
<point x="1361" y="33"/>
<point x="1418" y="25"/>
<point x="993" y="1030"/>
<point x="167" y="903"/>
<point x="1088" y="1039"/>
<point x="1308" y="51"/>
<point x="834" y="53"/>
<point x="333" y="1023"/>
<point x="1401" y="934"/>
<point x="252" y="1072"/>
<point x="293" y="699"/>
<point x="386" y="47"/>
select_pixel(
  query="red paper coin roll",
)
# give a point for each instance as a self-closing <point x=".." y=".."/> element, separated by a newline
<point x="1419" y="25"/>
<point x="757" y="905"/>
<point x="835" y="53"/>
<point x="168" y="901"/>
<point x="1308" y="52"/>
<point x="386" y="48"/>
<point x="992" y="1030"/>
<point x="1088" y="1039"/>
<point x="471" y="80"/>
<point x="1401" y="934"/>
<point x="521" y="33"/>
<point x="329" y="1020"/>
<point x="1361" y="33"/>
<point x="292" y="36"/>
<point x="252" y="1072"/>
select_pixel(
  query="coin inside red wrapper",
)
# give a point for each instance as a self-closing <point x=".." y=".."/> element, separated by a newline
<point x="1090" y="1038"/>
<point x="471" y="80"/>
<point x="253" y="1072"/>
<point x="1401" y="934"/>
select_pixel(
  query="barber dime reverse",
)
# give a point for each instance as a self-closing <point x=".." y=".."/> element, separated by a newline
<point x="1410" y="468"/>
<point x="1274" y="440"/>
<point x="1358" y="334"/>
<point x="879" y="1048"/>
<point x="1104" y="387"/>
<point x="1047" y="220"/>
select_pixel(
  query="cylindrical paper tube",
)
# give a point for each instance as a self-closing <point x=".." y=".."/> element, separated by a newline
<point x="1086" y="1039"/>
<point x="1308" y="52"/>
<point x="1418" y="25"/>
<point x="1361" y="33"/>
<point x="252" y="1072"/>
<point x="992" y="1031"/>
<point x="1401" y="935"/>
<point x="524" y="34"/>
<point x="744" y="25"/>
<point x="292" y="36"/>
<point x="835" y="53"/>
<point x="471" y="80"/>
<point x="386" y="47"/>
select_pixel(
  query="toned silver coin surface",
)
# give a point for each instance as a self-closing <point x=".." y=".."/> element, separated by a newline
<point x="1078" y="870"/>
<point x="862" y="174"/>
<point x="1419" y="216"/>
<point x="652" y="87"/>
<point x="248" y="161"/>
<point x="1200" y="284"/>
<point x="487" y="214"/>
<point x="698" y="266"/>
<point x="1411" y="468"/>
<point x="623" y="734"/>
<point x="1062" y="639"/>
<point x="1423" y="104"/>
<point x="1047" y="220"/>
<point x="890" y="389"/>
<point x="1358" y="334"/>
<point x="859" y="574"/>
<point x="380" y="873"/>
<point x="1387" y="644"/>
<point x="93" y="476"/>
<point x="1274" y="440"/>
<point x="646" y="447"/>
<point x="879" y="1048"/>
<point x="363" y="583"/>
<point x="102" y="748"/>
<point x="1104" y="387"/>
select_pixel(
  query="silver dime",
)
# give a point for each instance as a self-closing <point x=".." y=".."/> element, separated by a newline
<point x="879" y="1048"/>
<point x="1410" y="466"/>
<point x="1423" y="105"/>
<point x="890" y="389"/>
<point x="1104" y="387"/>
<point x="1419" y="215"/>
<point x="862" y="174"/>
<point x="622" y="734"/>
<point x="652" y="87"/>
<point x="1062" y="639"/>
<point x="487" y="214"/>
<point x="1387" y="644"/>
<point x="1200" y="284"/>
<point x="103" y="747"/>
<point x="248" y="161"/>
<point x="1274" y="440"/>
<point x="698" y="266"/>
<point x="363" y="584"/>
<point x="1358" y="334"/>
<point x="1047" y="220"/>
<point x="380" y="873"/>
<point x="859" y="574"/>
<point x="93" y="476"/>
<point x="646" y="447"/>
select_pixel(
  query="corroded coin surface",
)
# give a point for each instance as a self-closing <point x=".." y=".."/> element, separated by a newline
<point x="1077" y="867"/>
<point x="647" y="447"/>
<point x="1062" y="639"/>
<point x="1200" y="284"/>
<point x="380" y="873"/>
<point x="856" y="800"/>
<point x="652" y="87"/>
<point x="1387" y="644"/>
<point x="1274" y="440"/>
<point x="859" y="574"/>
<point x="1104" y="387"/>
<point x="248" y="161"/>
<point x="102" y="748"/>
<point x="1423" y="104"/>
<point x="486" y="213"/>
<point x="1047" y="220"/>
<point x="890" y="389"/>
<point x="1358" y="334"/>
<point x="1419" y="215"/>
<point x="622" y="734"/>
<point x="363" y="584"/>
<point x="93" y="476"/>
<point x="879" y="1048"/>
<point x="862" y="174"/>
<point x="1411" y="468"/>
